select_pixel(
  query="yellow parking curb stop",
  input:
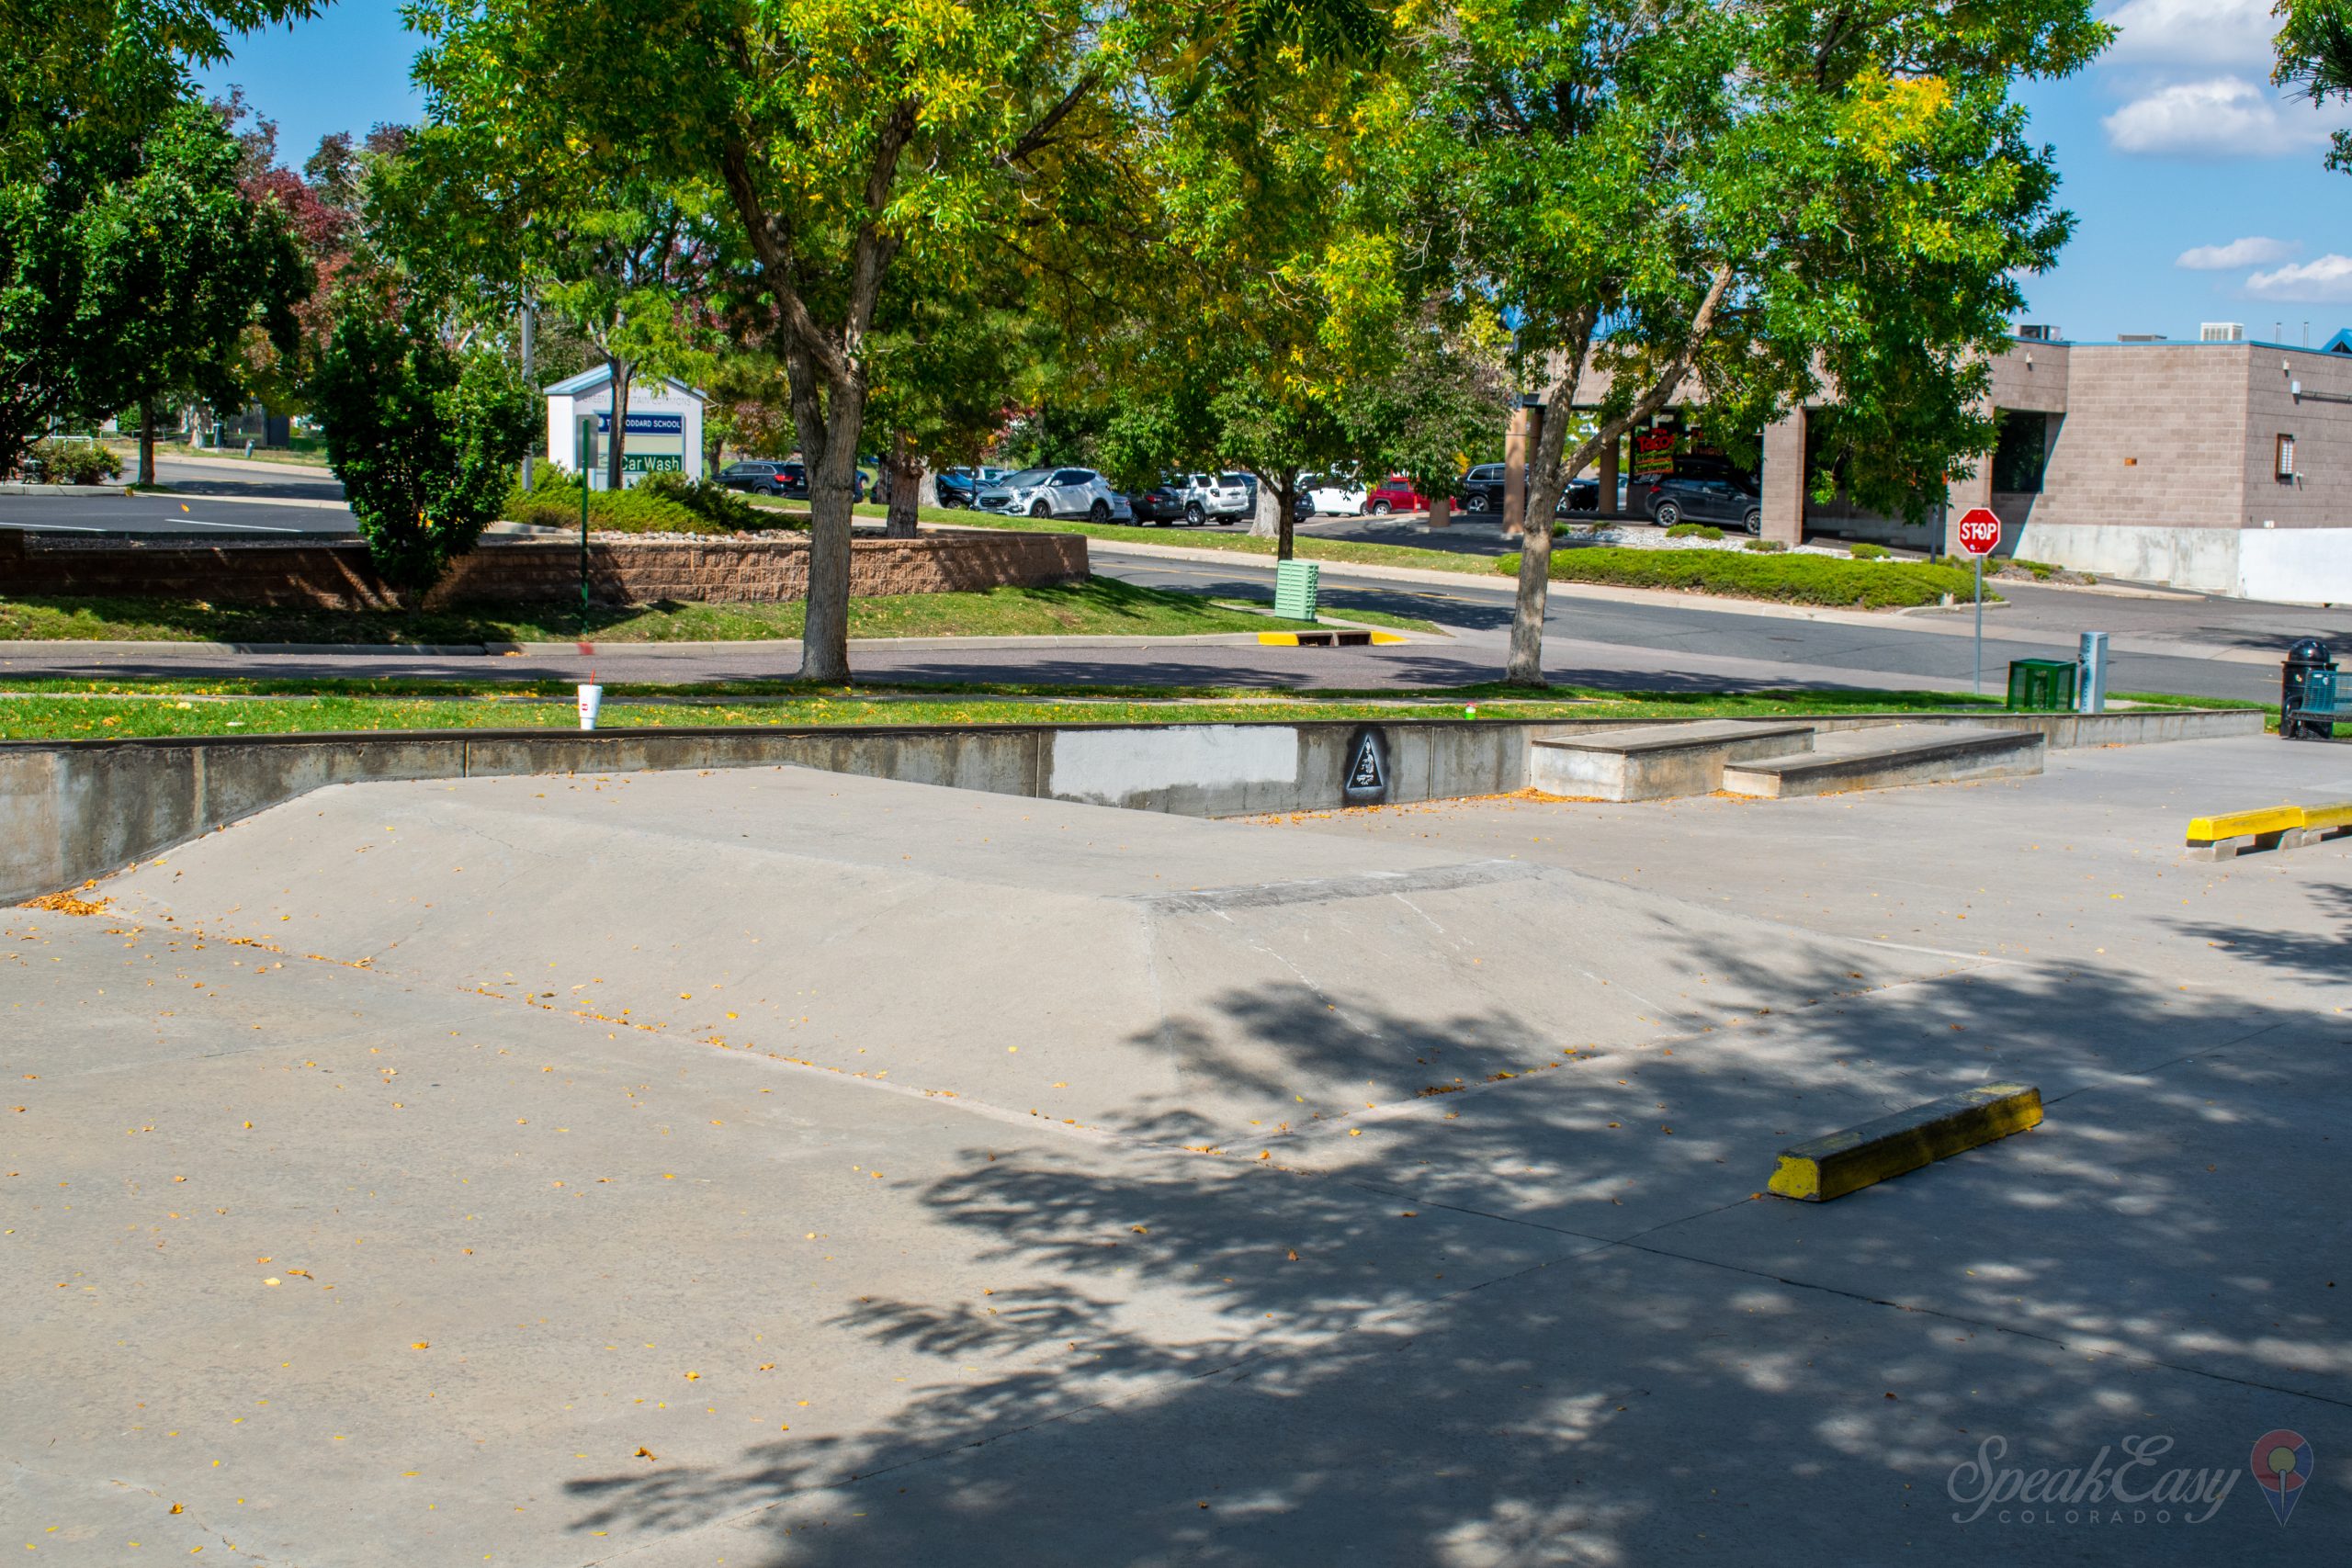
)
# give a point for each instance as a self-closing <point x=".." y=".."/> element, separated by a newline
<point x="1844" y="1162"/>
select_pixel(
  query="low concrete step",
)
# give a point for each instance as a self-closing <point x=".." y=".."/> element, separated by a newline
<point x="1657" y="761"/>
<point x="1883" y="756"/>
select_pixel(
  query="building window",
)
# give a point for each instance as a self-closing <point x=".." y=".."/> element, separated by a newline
<point x="2285" y="465"/>
<point x="2020" y="452"/>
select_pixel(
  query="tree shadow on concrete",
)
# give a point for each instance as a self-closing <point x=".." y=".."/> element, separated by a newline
<point x="1457" y="1338"/>
<point x="2317" y="952"/>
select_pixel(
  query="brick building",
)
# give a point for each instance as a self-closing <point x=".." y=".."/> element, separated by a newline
<point x="2222" y="466"/>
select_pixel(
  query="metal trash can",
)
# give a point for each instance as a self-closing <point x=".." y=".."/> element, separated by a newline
<point x="1296" y="583"/>
<point x="2042" y="685"/>
<point x="2303" y="660"/>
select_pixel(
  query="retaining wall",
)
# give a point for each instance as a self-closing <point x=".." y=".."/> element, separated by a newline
<point x="622" y="569"/>
<point x="75" y="809"/>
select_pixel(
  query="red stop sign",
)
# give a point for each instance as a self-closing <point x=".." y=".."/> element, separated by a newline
<point x="1979" y="530"/>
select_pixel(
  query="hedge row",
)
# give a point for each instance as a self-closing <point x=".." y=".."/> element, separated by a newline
<point x="664" y="503"/>
<point x="1785" y="578"/>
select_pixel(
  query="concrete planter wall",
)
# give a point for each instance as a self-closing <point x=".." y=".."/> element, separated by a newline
<point x="72" y="810"/>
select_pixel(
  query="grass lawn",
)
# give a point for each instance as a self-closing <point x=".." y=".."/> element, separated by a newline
<point x="308" y="451"/>
<point x="57" y="709"/>
<point x="1098" y="607"/>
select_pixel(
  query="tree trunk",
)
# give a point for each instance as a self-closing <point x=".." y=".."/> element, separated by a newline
<point x="1286" y="497"/>
<point x="929" y="495"/>
<point x="907" y="472"/>
<point x="1441" y="512"/>
<point x="147" y="443"/>
<point x="614" y="472"/>
<point x="1265" y="521"/>
<point x="829" y="432"/>
<point x="1543" y="480"/>
<point x="714" y="453"/>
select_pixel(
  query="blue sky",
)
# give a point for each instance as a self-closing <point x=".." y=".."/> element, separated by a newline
<point x="2197" y="187"/>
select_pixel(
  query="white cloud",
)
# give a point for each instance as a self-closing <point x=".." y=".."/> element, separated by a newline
<point x="2191" y="32"/>
<point x="2224" y="116"/>
<point x="2252" y="251"/>
<point x="2324" y="280"/>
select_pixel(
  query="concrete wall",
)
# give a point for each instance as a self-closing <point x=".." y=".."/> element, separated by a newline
<point x="621" y="569"/>
<point x="72" y="810"/>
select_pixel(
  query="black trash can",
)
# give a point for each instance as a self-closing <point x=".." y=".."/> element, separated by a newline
<point x="2309" y="654"/>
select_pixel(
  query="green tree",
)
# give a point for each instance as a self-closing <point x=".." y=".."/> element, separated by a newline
<point x="2314" y="57"/>
<point x="424" y="437"/>
<point x="844" y="137"/>
<point x="123" y="279"/>
<point x="1759" y="203"/>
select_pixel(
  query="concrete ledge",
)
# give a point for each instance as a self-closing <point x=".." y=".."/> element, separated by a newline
<point x="1657" y="762"/>
<point x="105" y="493"/>
<point x="1844" y="1162"/>
<point x="1897" y="755"/>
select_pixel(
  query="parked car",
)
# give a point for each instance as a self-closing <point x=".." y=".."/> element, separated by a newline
<point x="1394" y="493"/>
<point x="1692" y="498"/>
<point x="1642" y="492"/>
<point x="762" y="477"/>
<point x="1219" y="498"/>
<point x="1056" y="492"/>
<point x="1163" y="502"/>
<point x="1581" y="495"/>
<point x="956" y="487"/>
<point x="1480" y="491"/>
<point x="1333" y="498"/>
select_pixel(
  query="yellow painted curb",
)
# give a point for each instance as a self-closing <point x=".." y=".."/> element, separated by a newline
<point x="1846" y="1161"/>
<point x="2327" y="818"/>
<point x="1338" y="636"/>
<point x="2242" y="824"/>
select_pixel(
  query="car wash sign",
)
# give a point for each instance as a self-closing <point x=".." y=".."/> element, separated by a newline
<point x="656" y="445"/>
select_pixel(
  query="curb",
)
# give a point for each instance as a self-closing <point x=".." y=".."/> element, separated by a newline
<point x="92" y="492"/>
<point x="1843" y="1162"/>
<point x="2232" y="833"/>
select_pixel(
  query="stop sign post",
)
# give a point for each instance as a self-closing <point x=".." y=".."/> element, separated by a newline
<point x="1979" y="530"/>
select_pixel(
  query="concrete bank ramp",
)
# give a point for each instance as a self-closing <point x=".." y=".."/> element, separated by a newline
<point x="1137" y="972"/>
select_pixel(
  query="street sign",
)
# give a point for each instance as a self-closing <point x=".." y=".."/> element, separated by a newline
<point x="1979" y="530"/>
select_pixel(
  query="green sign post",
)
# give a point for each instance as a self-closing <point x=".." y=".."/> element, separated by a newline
<point x="587" y="466"/>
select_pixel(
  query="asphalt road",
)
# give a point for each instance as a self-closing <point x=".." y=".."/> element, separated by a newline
<point x="205" y="496"/>
<point x="2037" y="622"/>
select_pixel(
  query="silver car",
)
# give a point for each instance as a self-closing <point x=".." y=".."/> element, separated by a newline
<point x="1055" y="493"/>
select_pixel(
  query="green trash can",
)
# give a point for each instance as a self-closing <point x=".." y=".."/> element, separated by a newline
<point x="2042" y="685"/>
<point x="1295" y="587"/>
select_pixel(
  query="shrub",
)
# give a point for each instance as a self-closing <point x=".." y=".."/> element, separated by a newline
<point x="1694" y="531"/>
<point x="1869" y="552"/>
<point x="74" y="462"/>
<point x="424" y="438"/>
<point x="663" y="504"/>
<point x="1767" y="547"/>
<point x="1788" y="579"/>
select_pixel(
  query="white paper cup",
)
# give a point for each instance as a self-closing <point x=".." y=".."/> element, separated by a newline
<point x="591" y="699"/>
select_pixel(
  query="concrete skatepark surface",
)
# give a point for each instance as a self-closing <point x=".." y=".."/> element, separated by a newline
<point x="781" y="1167"/>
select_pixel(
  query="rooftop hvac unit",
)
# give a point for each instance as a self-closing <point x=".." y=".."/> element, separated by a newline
<point x="2037" y="331"/>
<point x="2220" y="331"/>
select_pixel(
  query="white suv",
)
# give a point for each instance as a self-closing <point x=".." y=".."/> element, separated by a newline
<point x="1055" y="493"/>
<point x="1222" y="497"/>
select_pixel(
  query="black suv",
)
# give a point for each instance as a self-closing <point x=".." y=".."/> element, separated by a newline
<point x="1706" y="498"/>
<point x="762" y="477"/>
<point x="789" y="480"/>
<point x="1481" y="490"/>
